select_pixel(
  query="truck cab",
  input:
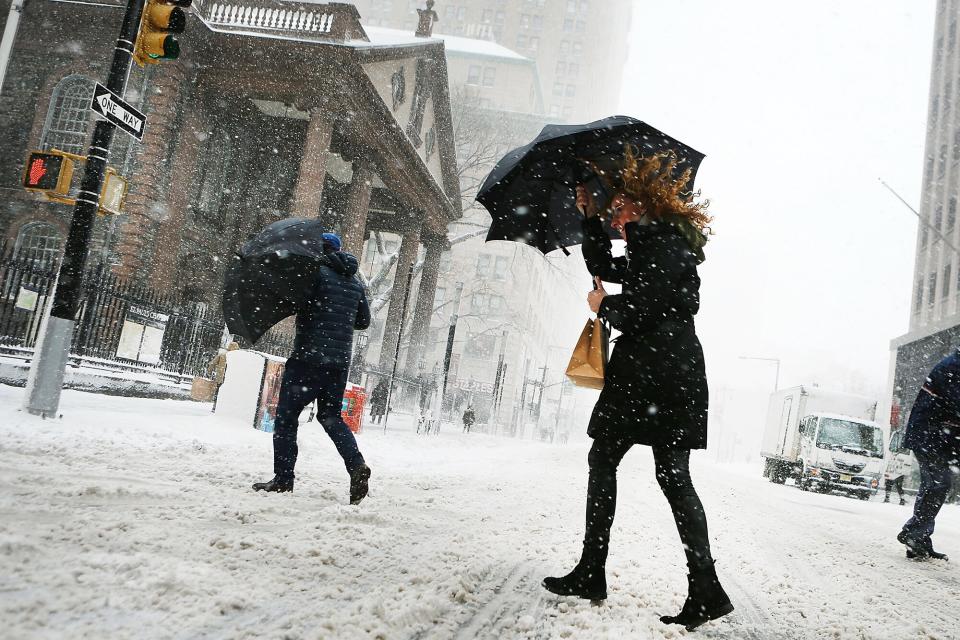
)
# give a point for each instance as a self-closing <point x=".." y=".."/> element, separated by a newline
<point x="840" y="453"/>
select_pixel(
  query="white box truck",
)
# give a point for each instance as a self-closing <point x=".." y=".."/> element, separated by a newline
<point x="825" y="440"/>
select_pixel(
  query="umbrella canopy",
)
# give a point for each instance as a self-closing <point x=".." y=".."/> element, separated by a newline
<point x="530" y="193"/>
<point x="268" y="279"/>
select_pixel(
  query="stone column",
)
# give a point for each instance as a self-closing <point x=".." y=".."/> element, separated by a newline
<point x="308" y="192"/>
<point x="358" y="203"/>
<point x="146" y="205"/>
<point x="409" y="248"/>
<point x="423" y="313"/>
<point x="166" y="250"/>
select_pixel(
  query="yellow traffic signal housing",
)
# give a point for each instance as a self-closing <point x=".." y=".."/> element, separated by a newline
<point x="161" y="18"/>
<point x="48" y="172"/>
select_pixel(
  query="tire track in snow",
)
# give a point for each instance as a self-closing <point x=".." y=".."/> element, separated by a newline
<point x="511" y="597"/>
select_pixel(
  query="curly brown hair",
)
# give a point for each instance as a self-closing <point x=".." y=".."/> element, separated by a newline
<point x="649" y="180"/>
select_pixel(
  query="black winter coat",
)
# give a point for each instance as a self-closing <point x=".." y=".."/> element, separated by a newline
<point x="934" y="425"/>
<point x="655" y="387"/>
<point x="337" y="305"/>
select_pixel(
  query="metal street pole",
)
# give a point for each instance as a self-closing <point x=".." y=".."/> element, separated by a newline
<point x="448" y="354"/>
<point x="396" y="355"/>
<point x="50" y="356"/>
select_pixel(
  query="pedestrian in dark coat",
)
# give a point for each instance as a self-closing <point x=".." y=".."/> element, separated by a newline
<point x="933" y="433"/>
<point x="655" y="388"/>
<point x="469" y="417"/>
<point x="378" y="401"/>
<point x="317" y="369"/>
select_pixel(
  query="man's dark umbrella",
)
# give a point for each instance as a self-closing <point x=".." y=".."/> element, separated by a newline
<point x="268" y="278"/>
<point x="530" y="193"/>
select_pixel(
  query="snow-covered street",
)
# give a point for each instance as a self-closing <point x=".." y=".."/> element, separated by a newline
<point x="134" y="518"/>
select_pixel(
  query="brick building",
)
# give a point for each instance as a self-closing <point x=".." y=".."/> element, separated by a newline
<point x="274" y="109"/>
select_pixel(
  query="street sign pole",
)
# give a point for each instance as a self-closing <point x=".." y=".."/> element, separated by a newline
<point x="50" y="355"/>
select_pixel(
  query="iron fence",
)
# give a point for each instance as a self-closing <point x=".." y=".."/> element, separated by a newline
<point x="120" y="324"/>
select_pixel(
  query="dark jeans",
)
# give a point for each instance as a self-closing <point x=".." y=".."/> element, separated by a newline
<point x="935" y="478"/>
<point x="673" y="474"/>
<point x="890" y="484"/>
<point x="302" y="384"/>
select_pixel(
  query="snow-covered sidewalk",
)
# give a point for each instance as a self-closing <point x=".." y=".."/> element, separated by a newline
<point x="134" y="518"/>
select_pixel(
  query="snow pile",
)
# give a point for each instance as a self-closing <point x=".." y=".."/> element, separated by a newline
<point x="133" y="518"/>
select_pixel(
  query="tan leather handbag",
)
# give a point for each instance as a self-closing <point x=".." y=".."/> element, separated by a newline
<point x="589" y="360"/>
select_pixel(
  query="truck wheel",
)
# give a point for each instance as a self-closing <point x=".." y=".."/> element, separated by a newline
<point x="865" y="495"/>
<point x="778" y="474"/>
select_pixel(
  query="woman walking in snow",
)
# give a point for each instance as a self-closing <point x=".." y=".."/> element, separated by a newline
<point x="655" y="388"/>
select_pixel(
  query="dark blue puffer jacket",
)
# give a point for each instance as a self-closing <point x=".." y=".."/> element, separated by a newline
<point x="337" y="305"/>
<point x="934" y="424"/>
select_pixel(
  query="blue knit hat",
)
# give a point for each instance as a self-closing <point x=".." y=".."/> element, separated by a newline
<point x="332" y="241"/>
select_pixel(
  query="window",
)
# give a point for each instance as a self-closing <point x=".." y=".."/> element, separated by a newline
<point x="938" y="217"/>
<point x="571" y="6"/>
<point x="923" y="237"/>
<point x="398" y="88"/>
<point x="571" y="91"/>
<point x="534" y="43"/>
<point x="568" y="24"/>
<point x="483" y="265"/>
<point x="932" y="290"/>
<point x="481" y="346"/>
<point x="487" y="16"/>
<point x="573" y="69"/>
<point x="951" y="213"/>
<point x="947" y="273"/>
<point x="537" y="23"/>
<point x="68" y="116"/>
<point x="581" y="26"/>
<point x="555" y="110"/>
<point x="499" y="18"/>
<point x="473" y="74"/>
<point x="558" y="89"/>
<point x="418" y="104"/>
<point x="38" y="242"/>
<point x="577" y="48"/>
<point x="567" y="112"/>
<point x="500" y="268"/>
<point x="524" y="20"/>
<point x="564" y="46"/>
<point x="521" y="41"/>
<point x="489" y="76"/>
<point x="218" y="156"/>
<point x="918" y="303"/>
<point x="561" y="68"/>
<point x="430" y="143"/>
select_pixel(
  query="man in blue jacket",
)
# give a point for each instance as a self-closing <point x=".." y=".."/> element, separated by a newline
<point x="317" y="369"/>
<point x="933" y="433"/>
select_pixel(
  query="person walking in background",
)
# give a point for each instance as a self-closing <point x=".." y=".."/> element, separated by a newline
<point x="317" y="369"/>
<point x="655" y="388"/>
<point x="893" y="481"/>
<point x="933" y="434"/>
<point x="469" y="417"/>
<point x="378" y="401"/>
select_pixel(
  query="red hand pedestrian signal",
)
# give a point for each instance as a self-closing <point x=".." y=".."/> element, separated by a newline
<point x="48" y="172"/>
<point x="38" y="169"/>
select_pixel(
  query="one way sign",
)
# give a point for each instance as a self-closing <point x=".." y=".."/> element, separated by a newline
<point x="110" y="106"/>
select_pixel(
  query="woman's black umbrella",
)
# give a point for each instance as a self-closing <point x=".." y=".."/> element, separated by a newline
<point x="268" y="279"/>
<point x="530" y="193"/>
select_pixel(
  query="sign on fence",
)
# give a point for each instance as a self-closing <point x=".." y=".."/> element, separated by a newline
<point x="27" y="299"/>
<point x="142" y="336"/>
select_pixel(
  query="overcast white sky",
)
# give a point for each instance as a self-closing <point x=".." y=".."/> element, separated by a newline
<point x="800" y="108"/>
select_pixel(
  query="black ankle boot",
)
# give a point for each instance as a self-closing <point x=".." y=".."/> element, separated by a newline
<point x="589" y="583"/>
<point x="274" y="486"/>
<point x="359" y="484"/>
<point x="706" y="600"/>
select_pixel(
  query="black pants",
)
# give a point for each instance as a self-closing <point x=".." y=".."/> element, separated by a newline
<point x="890" y="484"/>
<point x="935" y="478"/>
<point x="673" y="474"/>
<point x="302" y="384"/>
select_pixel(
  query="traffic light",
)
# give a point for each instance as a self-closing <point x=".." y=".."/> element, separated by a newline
<point x="49" y="172"/>
<point x="161" y="18"/>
